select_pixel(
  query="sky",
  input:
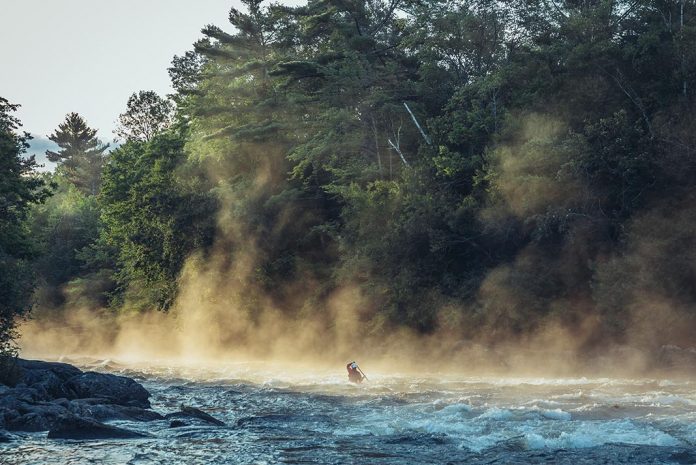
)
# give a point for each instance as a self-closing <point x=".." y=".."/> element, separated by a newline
<point x="89" y="56"/>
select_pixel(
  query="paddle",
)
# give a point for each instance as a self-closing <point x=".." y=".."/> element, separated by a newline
<point x="364" y="375"/>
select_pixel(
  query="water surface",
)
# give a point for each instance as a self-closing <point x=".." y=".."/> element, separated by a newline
<point x="277" y="417"/>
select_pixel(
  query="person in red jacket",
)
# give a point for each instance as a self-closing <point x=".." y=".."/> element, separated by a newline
<point x="355" y="375"/>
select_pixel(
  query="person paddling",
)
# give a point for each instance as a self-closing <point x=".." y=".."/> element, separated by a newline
<point x="355" y="374"/>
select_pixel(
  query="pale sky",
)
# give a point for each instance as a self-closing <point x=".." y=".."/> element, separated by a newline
<point x="89" y="56"/>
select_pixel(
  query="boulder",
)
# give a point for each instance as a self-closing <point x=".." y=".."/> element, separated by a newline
<point x="70" y="427"/>
<point x="10" y="401"/>
<point x="46" y="382"/>
<point x="32" y="421"/>
<point x="35" y="417"/>
<point x="57" y="397"/>
<point x="110" y="388"/>
<point x="61" y="370"/>
<point x="7" y="415"/>
<point x="22" y="393"/>
<point x="42" y="381"/>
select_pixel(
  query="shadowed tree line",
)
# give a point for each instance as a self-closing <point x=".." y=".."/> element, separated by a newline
<point x="475" y="167"/>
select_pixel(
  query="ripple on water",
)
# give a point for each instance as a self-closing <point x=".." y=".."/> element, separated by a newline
<point x="399" y="420"/>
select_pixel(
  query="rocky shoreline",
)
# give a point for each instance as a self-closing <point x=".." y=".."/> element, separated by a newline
<point x="69" y="403"/>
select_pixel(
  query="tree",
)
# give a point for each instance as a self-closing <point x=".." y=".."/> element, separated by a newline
<point x="147" y="115"/>
<point x="82" y="155"/>
<point x="62" y="226"/>
<point x="552" y="128"/>
<point x="185" y="72"/>
<point x="152" y="219"/>
<point x="19" y="188"/>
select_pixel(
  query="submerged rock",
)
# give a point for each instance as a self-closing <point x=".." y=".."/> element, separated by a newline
<point x="99" y="411"/>
<point x="81" y="428"/>
<point x="192" y="412"/>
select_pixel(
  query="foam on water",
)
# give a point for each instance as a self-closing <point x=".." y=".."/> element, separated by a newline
<point x="317" y="415"/>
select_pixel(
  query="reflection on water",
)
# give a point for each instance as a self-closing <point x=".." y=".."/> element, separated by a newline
<point x="277" y="416"/>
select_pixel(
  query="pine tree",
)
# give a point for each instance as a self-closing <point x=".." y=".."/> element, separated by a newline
<point x="18" y="190"/>
<point x="82" y="156"/>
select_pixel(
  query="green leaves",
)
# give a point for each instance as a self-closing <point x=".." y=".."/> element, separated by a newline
<point x="20" y="187"/>
<point x="550" y="128"/>
<point x="151" y="218"/>
<point x="147" y="115"/>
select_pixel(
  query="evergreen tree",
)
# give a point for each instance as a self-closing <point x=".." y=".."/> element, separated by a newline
<point x="497" y="158"/>
<point x="82" y="155"/>
<point x="20" y="187"/>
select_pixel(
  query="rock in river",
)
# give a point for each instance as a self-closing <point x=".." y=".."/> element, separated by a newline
<point x="67" y="401"/>
<point x="192" y="412"/>
<point x="81" y="428"/>
<point x="114" y="389"/>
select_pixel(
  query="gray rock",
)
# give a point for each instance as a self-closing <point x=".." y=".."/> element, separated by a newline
<point x="110" y="388"/>
<point x="21" y="393"/>
<point x="35" y="417"/>
<point x="62" y="370"/>
<point x="114" y="412"/>
<point x="45" y="381"/>
<point x="138" y="414"/>
<point x="10" y="401"/>
<point x="6" y="415"/>
<point x="191" y="412"/>
<point x="48" y="383"/>
<point x="47" y="394"/>
<point x="80" y="428"/>
<point x="5" y="436"/>
<point x="29" y="422"/>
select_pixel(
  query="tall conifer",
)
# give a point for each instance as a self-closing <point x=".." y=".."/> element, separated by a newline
<point x="82" y="155"/>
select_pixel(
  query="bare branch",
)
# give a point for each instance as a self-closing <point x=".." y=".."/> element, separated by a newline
<point x="398" y="151"/>
<point x="425" y="136"/>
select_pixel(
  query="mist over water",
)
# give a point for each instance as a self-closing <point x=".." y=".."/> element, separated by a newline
<point x="277" y="413"/>
<point x="544" y="312"/>
<point x="487" y="205"/>
<point x="276" y="377"/>
<point x="271" y="365"/>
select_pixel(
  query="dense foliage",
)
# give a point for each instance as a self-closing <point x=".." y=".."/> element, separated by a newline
<point x="477" y="167"/>
<point x="19" y="189"/>
<point x="147" y="114"/>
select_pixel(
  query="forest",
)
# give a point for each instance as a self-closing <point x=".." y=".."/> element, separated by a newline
<point x="477" y="170"/>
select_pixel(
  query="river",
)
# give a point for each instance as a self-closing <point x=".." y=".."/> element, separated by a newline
<point x="282" y="416"/>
